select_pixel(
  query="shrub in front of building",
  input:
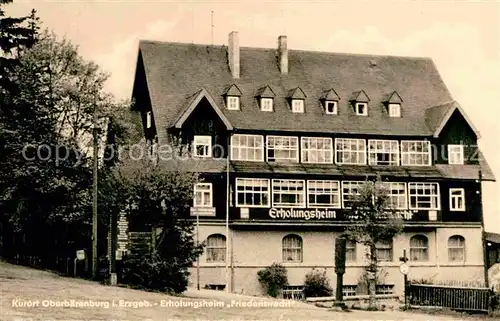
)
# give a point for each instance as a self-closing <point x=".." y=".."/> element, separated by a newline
<point x="316" y="284"/>
<point x="273" y="279"/>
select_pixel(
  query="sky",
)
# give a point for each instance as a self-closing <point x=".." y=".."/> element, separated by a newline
<point x="462" y="37"/>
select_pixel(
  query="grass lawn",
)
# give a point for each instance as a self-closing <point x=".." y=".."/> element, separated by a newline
<point x="28" y="294"/>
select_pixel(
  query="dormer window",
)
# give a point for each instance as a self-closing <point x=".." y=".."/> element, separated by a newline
<point x="331" y="107"/>
<point x="393" y="103"/>
<point x="297" y="105"/>
<point x="232" y="95"/>
<point x="266" y="104"/>
<point x="233" y="102"/>
<point x="362" y="109"/>
<point x="359" y="101"/>
<point x="395" y="110"/>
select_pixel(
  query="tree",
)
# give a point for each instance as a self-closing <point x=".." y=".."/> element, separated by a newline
<point x="155" y="193"/>
<point x="372" y="221"/>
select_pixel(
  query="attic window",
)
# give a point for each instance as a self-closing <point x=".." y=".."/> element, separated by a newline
<point x="233" y="102"/>
<point x="266" y="104"/>
<point x="148" y="119"/>
<point x="395" y="110"/>
<point x="298" y="105"/>
<point x="331" y="107"/>
<point x="361" y="109"/>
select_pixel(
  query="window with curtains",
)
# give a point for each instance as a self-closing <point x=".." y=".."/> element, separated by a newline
<point x="384" y="251"/>
<point x="292" y="248"/>
<point x="416" y="153"/>
<point x="282" y="149"/>
<point x="383" y="152"/>
<point x="419" y="248"/>
<point x="350" y="151"/>
<point x="456" y="248"/>
<point x="350" y="251"/>
<point x="247" y="147"/>
<point x="396" y="195"/>
<point x="216" y="248"/>
<point x="317" y="150"/>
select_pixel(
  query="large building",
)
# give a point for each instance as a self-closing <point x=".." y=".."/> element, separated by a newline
<point x="304" y="130"/>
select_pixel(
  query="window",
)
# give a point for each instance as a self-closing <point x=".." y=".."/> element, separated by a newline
<point x="266" y="104"/>
<point x="292" y="248"/>
<point x="384" y="251"/>
<point x="396" y="195"/>
<point x="323" y="194"/>
<point x="384" y="289"/>
<point x="350" y="251"/>
<point x="317" y="150"/>
<point x="349" y="290"/>
<point x="247" y="148"/>
<point x="288" y="193"/>
<point x="456" y="154"/>
<point x="383" y="152"/>
<point x="419" y="248"/>
<point x="233" y="102"/>
<point x="282" y="149"/>
<point x="331" y="107"/>
<point x="456" y="249"/>
<point x="297" y="105"/>
<point x="203" y="195"/>
<point x="350" y="190"/>
<point x="416" y="153"/>
<point x="457" y="199"/>
<point x="203" y="146"/>
<point x="216" y="248"/>
<point x="252" y="192"/>
<point x="148" y="119"/>
<point x="362" y="109"/>
<point x="350" y="151"/>
<point x="424" y="196"/>
<point x="395" y="110"/>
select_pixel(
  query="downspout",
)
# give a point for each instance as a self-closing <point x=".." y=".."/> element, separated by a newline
<point x="229" y="267"/>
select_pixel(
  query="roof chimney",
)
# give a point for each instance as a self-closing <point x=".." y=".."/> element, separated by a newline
<point x="283" y="55"/>
<point x="234" y="54"/>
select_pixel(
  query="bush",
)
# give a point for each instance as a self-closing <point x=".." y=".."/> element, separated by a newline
<point x="316" y="284"/>
<point x="273" y="278"/>
<point x="150" y="271"/>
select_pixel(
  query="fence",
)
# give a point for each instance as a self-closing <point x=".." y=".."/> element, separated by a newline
<point x="452" y="297"/>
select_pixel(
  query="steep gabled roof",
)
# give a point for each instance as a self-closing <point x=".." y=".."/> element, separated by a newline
<point x="440" y="115"/>
<point x="393" y="98"/>
<point x="232" y="90"/>
<point x="297" y="93"/>
<point x="265" y="92"/>
<point x="330" y="94"/>
<point x="359" y="96"/>
<point x="175" y="72"/>
<point x="193" y="103"/>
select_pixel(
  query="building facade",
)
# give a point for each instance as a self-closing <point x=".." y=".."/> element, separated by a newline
<point x="288" y="137"/>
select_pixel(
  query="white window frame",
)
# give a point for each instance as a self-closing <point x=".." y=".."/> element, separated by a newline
<point x="385" y="246"/>
<point x="407" y="144"/>
<point x="350" y="186"/>
<point x="454" y="200"/>
<point x="394" y="110"/>
<point x="423" y="187"/>
<point x="296" y="247"/>
<point x="365" y="109"/>
<point x="455" y="154"/>
<point x="298" y="194"/>
<point x="266" y="104"/>
<point x="324" y="187"/>
<point x="202" y="140"/>
<point x="203" y="188"/>
<point x="391" y="187"/>
<point x="243" y="149"/>
<point x="424" y="250"/>
<point x="148" y="119"/>
<point x="279" y="141"/>
<point x="360" y="154"/>
<point x="335" y="107"/>
<point x="233" y="102"/>
<point x="325" y="153"/>
<point x="213" y="248"/>
<point x="351" y="247"/>
<point x="298" y="106"/>
<point x="387" y="147"/>
<point x="250" y="188"/>
<point x="452" y="247"/>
